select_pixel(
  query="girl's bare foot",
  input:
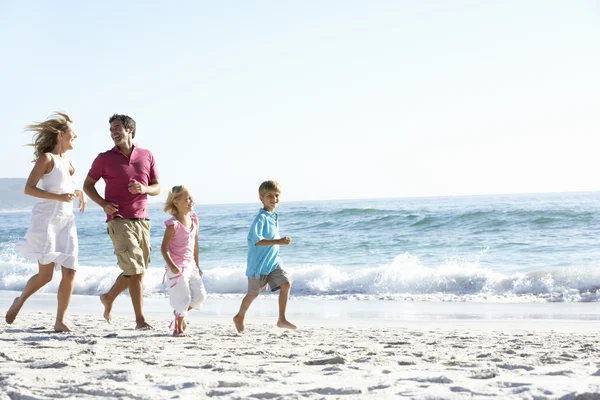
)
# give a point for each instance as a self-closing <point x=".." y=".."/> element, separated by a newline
<point x="181" y="334"/>
<point x="13" y="311"/>
<point x="107" y="307"/>
<point x="239" y="324"/>
<point x="284" y="323"/>
<point x="61" y="327"/>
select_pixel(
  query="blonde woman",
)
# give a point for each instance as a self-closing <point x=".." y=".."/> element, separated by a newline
<point x="51" y="239"/>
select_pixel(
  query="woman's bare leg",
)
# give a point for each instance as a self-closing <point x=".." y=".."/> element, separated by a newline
<point x="34" y="284"/>
<point x="65" y="289"/>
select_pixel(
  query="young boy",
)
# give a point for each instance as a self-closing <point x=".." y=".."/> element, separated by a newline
<point x="264" y="266"/>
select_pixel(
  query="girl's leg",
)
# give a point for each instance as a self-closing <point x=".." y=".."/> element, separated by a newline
<point x="65" y="289"/>
<point x="180" y="328"/>
<point x="197" y="292"/>
<point x="34" y="284"/>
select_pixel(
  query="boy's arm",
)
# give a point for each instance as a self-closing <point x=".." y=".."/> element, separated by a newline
<point x="164" y="249"/>
<point x="271" y="242"/>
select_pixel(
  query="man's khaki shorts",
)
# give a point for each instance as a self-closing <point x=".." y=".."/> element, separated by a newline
<point x="131" y="241"/>
<point x="275" y="279"/>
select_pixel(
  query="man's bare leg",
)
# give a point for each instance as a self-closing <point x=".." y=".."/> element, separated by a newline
<point x="284" y="293"/>
<point x="65" y="289"/>
<point x="108" y="298"/>
<point x="35" y="283"/>
<point x="137" y="299"/>
<point x="238" y="320"/>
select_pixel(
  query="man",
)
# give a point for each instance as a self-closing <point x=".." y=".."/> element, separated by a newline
<point x="130" y="175"/>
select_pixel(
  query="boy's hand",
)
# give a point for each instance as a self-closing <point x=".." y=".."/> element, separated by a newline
<point x="175" y="270"/>
<point x="285" y="240"/>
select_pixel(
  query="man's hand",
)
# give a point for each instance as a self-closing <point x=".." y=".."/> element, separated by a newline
<point x="110" y="208"/>
<point x="135" y="187"/>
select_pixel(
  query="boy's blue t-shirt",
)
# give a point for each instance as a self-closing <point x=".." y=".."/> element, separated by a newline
<point x="262" y="260"/>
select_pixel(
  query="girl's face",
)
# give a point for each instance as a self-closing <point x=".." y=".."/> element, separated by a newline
<point x="184" y="202"/>
<point x="67" y="137"/>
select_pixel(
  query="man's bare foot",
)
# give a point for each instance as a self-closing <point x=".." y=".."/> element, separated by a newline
<point x="181" y="334"/>
<point x="143" y="326"/>
<point x="107" y="307"/>
<point x="13" y="311"/>
<point x="239" y="324"/>
<point x="284" y="323"/>
<point x="61" y="327"/>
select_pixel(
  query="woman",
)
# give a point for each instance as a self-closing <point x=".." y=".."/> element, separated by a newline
<point x="51" y="238"/>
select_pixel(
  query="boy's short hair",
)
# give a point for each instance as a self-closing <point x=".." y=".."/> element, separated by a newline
<point x="269" y="186"/>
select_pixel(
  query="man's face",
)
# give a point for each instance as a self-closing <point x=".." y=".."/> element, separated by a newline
<point x="119" y="134"/>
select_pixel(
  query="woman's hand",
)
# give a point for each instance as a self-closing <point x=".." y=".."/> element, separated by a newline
<point x="82" y="200"/>
<point x="175" y="270"/>
<point x="66" y="197"/>
<point x="200" y="272"/>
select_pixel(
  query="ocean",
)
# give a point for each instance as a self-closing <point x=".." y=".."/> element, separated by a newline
<point x="504" y="248"/>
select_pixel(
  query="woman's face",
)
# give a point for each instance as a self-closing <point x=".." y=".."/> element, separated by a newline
<point x="67" y="137"/>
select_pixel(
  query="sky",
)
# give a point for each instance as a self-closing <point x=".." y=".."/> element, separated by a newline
<point x="333" y="99"/>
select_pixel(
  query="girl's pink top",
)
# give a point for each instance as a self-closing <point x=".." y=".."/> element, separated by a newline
<point x="181" y="247"/>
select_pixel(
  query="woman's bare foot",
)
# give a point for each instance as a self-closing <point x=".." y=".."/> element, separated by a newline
<point x="239" y="324"/>
<point x="181" y="334"/>
<point x="107" y="307"/>
<point x="61" y="327"/>
<point x="13" y="311"/>
<point x="284" y="323"/>
<point x="143" y="326"/>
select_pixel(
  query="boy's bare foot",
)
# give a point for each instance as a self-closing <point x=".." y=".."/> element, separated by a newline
<point x="107" y="307"/>
<point x="284" y="323"/>
<point x="61" y="327"/>
<point x="143" y="326"/>
<point x="239" y="324"/>
<point x="181" y="334"/>
<point x="13" y="311"/>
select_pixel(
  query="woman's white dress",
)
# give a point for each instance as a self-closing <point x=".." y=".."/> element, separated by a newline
<point x="52" y="237"/>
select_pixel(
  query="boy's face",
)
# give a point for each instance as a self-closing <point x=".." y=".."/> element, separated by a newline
<point x="270" y="199"/>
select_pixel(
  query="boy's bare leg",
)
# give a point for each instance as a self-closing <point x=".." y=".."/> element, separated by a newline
<point x="65" y="289"/>
<point x="137" y="299"/>
<point x="35" y="283"/>
<point x="107" y="299"/>
<point x="238" y="320"/>
<point x="284" y="294"/>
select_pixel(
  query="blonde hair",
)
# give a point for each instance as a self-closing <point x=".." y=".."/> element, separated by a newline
<point x="46" y="133"/>
<point x="174" y="194"/>
<point x="269" y="186"/>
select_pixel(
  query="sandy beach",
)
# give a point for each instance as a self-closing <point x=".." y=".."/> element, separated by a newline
<point x="351" y="358"/>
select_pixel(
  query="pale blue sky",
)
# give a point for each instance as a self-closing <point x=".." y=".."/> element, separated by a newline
<point x="334" y="99"/>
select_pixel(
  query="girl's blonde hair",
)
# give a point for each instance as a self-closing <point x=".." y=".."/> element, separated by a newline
<point x="46" y="133"/>
<point x="174" y="194"/>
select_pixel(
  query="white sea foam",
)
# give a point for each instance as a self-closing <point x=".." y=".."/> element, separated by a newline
<point x="405" y="278"/>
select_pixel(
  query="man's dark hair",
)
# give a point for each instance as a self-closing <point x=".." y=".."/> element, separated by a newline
<point x="127" y="121"/>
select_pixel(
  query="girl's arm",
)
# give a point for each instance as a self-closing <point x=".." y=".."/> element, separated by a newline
<point x="164" y="249"/>
<point x="196" y="253"/>
<point x="44" y="165"/>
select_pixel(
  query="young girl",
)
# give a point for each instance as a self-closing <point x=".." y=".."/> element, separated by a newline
<point x="180" y="250"/>
<point x="51" y="238"/>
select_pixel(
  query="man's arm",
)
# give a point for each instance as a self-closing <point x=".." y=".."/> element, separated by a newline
<point x="89" y="187"/>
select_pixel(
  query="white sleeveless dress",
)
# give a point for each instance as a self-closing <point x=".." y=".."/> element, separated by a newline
<point x="52" y="237"/>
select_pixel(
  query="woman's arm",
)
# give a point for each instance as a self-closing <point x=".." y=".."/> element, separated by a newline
<point x="44" y="165"/>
